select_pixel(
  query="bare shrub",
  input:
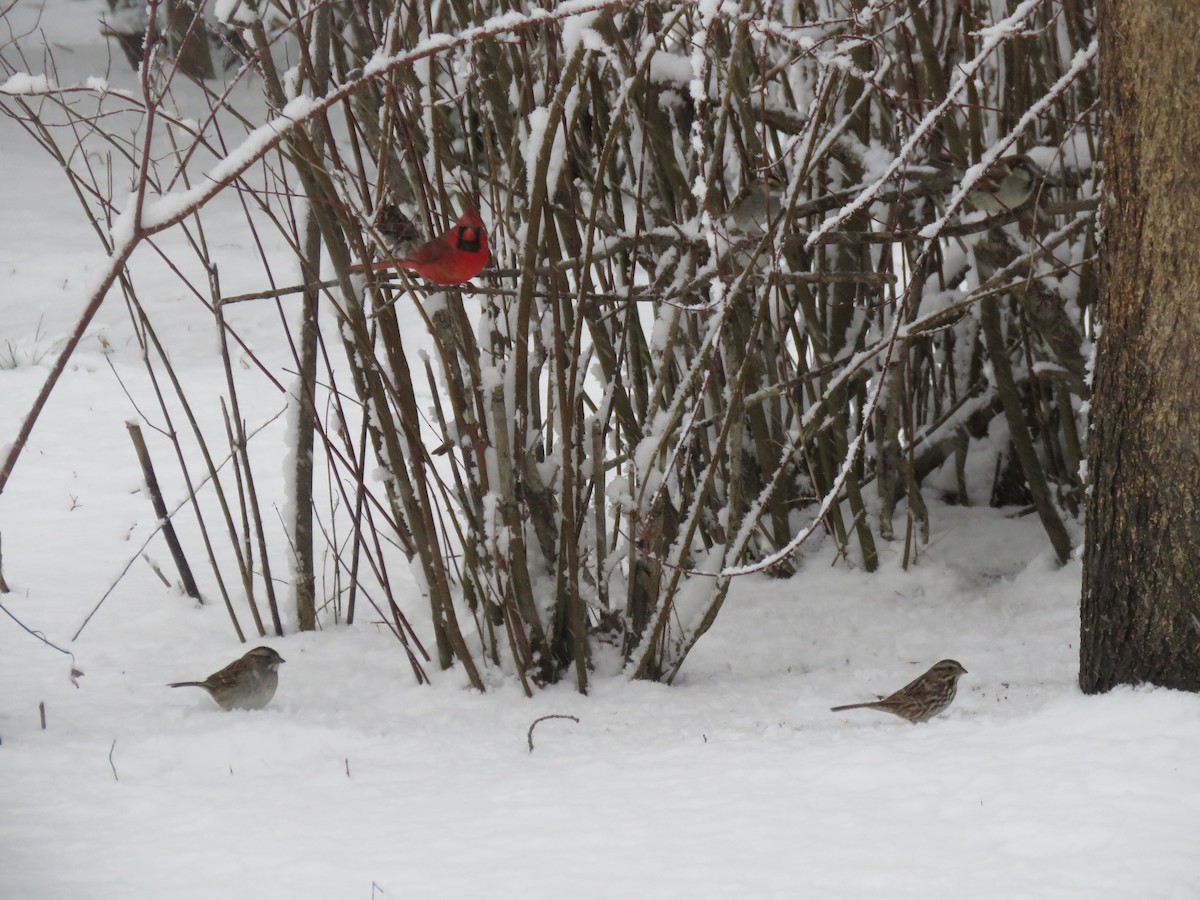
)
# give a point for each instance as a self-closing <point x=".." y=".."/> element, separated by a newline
<point x="735" y="300"/>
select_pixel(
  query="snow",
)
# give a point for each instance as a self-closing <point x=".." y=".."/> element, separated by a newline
<point x="235" y="12"/>
<point x="671" y="68"/>
<point x="23" y="83"/>
<point x="578" y="29"/>
<point x="737" y="781"/>
<point x="539" y="119"/>
<point x="355" y="782"/>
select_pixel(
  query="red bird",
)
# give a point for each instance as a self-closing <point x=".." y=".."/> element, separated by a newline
<point x="453" y="258"/>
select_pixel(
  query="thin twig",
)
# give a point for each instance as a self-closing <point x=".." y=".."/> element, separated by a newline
<point x="529" y="736"/>
<point x="75" y="673"/>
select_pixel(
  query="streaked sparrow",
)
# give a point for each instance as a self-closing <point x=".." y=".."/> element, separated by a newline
<point x="246" y="683"/>
<point x="1007" y="185"/>
<point x="922" y="698"/>
<point x="755" y="207"/>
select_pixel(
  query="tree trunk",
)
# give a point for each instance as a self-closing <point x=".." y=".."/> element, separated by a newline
<point x="1141" y="576"/>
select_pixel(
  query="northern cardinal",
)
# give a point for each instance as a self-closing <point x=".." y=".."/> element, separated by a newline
<point x="453" y="258"/>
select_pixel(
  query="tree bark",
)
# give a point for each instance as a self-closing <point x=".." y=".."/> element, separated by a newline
<point x="1141" y="576"/>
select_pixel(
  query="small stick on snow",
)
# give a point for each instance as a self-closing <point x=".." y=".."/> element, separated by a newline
<point x="3" y="583"/>
<point x="157" y="571"/>
<point x="42" y="713"/>
<point x="75" y="672"/>
<point x="111" y="765"/>
<point x="543" y="719"/>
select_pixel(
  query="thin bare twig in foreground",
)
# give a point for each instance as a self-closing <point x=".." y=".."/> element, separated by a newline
<point x="75" y="673"/>
<point x="111" y="764"/>
<point x="543" y="719"/>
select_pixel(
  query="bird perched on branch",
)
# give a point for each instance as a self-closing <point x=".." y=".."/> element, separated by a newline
<point x="451" y="258"/>
<point x="922" y="698"/>
<point x="758" y="205"/>
<point x="1007" y="185"/>
<point x="246" y="683"/>
<point x="394" y="225"/>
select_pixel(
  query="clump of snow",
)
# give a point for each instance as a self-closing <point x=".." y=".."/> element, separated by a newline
<point x="121" y="230"/>
<point x="236" y="12"/>
<point x="671" y="68"/>
<point x="578" y="30"/>
<point x="539" y="121"/>
<point x="24" y="83"/>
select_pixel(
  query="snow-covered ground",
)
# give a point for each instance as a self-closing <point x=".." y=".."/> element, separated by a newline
<point x="357" y="783"/>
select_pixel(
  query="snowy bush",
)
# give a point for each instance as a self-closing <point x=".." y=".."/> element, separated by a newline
<point x="738" y="298"/>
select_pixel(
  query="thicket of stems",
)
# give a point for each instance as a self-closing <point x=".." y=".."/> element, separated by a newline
<point x="736" y="299"/>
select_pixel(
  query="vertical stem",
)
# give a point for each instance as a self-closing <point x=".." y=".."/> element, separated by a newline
<point x="160" y="510"/>
<point x="302" y="477"/>
<point x="1014" y="412"/>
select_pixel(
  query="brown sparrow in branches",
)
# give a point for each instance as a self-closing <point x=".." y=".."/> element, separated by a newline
<point x="1007" y="185"/>
<point x="246" y="683"/>
<point x="758" y="205"/>
<point x="922" y="698"/>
